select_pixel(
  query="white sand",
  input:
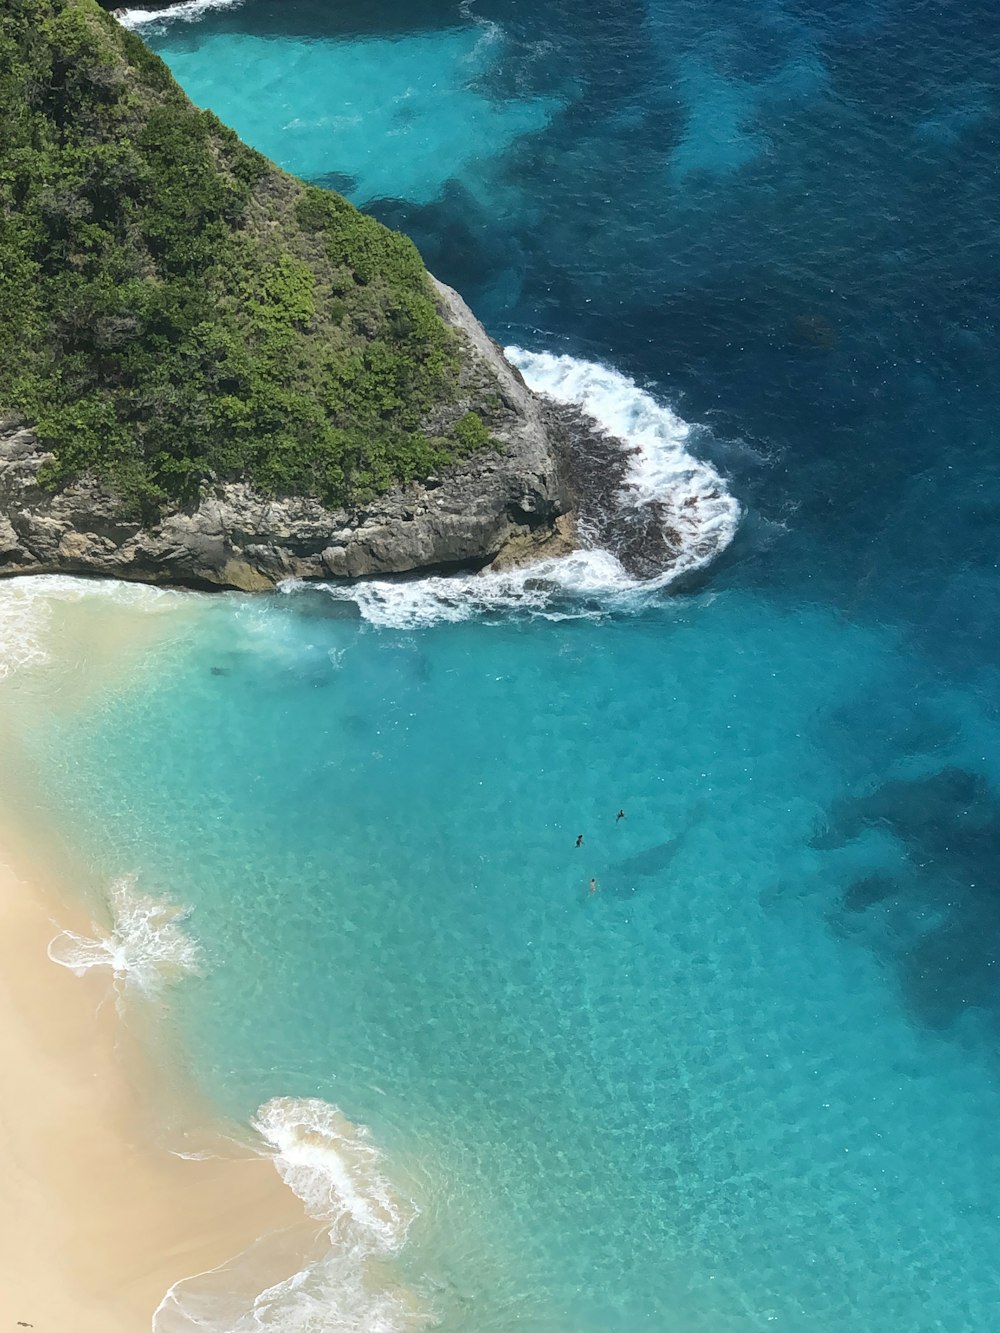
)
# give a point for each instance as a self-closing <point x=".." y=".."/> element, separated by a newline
<point x="96" y="1221"/>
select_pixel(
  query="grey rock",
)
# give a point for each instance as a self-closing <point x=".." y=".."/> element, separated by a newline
<point x="498" y="505"/>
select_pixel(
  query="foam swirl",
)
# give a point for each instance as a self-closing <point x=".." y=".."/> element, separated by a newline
<point x="335" y="1168"/>
<point x="145" y="949"/>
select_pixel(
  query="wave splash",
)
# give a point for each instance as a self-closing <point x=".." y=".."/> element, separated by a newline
<point x="331" y="1164"/>
<point x="698" y="514"/>
<point x="146" y="948"/>
<point x="187" y="11"/>
<point x="663" y="481"/>
<point x="334" y="1167"/>
<point x="27" y="603"/>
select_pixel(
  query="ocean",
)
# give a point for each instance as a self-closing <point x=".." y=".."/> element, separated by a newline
<point x="751" y="1081"/>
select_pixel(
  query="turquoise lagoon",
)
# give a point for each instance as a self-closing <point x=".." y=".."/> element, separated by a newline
<point x="702" y="1098"/>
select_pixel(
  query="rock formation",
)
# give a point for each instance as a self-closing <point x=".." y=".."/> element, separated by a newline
<point x="499" y="504"/>
<point x="213" y="374"/>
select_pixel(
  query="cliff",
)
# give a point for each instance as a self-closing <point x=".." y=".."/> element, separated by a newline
<point x="212" y="373"/>
<point x="235" y="536"/>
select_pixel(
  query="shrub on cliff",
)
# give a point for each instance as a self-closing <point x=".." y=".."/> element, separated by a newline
<point x="175" y="308"/>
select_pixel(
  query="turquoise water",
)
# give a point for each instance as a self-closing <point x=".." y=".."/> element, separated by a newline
<point x="700" y="1098"/>
<point x="751" y="1081"/>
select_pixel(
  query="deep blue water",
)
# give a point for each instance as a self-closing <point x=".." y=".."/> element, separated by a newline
<point x="752" y="1082"/>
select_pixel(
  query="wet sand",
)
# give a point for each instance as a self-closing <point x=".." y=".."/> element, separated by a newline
<point x="97" y="1221"/>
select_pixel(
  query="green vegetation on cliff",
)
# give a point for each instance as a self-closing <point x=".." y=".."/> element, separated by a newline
<point x="175" y="308"/>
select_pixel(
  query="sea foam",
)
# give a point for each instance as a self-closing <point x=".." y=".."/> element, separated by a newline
<point x="691" y="497"/>
<point x="187" y="11"/>
<point x="336" y="1169"/>
<point x="145" y="949"/>
<point x="27" y="604"/>
<point x="697" y="507"/>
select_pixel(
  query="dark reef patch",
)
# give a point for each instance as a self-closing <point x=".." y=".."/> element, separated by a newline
<point x="938" y="921"/>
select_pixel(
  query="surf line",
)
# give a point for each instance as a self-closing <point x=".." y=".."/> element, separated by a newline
<point x="187" y="11"/>
<point x="331" y="1164"/>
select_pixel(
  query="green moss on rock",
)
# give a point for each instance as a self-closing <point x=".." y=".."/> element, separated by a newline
<point x="176" y="308"/>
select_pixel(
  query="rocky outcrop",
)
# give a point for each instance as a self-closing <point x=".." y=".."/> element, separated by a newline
<point x="501" y="504"/>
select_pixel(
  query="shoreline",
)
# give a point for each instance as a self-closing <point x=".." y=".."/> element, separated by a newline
<point x="99" y="1221"/>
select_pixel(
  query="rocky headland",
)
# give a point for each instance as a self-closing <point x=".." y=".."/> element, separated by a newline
<point x="507" y="503"/>
<point x="213" y="374"/>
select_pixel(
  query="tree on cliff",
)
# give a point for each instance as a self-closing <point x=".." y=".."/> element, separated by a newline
<point x="176" y="308"/>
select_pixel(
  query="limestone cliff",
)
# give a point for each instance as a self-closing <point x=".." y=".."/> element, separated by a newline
<point x="513" y="499"/>
<point x="211" y="373"/>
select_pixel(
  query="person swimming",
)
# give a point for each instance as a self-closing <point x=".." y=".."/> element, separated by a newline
<point x="619" y="815"/>
<point x="579" y="840"/>
<point x="593" y="886"/>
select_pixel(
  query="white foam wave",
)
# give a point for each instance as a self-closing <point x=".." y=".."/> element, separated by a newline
<point x="335" y="1293"/>
<point x="697" y="506"/>
<point x="187" y="11"/>
<point x="145" y="949"/>
<point x="335" y="1168"/>
<point x="23" y="622"/>
<point x="26" y="606"/>
<point x="569" y="587"/>
<point x="697" y="509"/>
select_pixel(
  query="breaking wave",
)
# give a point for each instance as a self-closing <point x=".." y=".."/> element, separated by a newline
<point x="334" y="1167"/>
<point x="330" y="1281"/>
<point x="682" y="493"/>
<point x="145" y="949"/>
<point x="697" y="509"/>
<point x="26" y="606"/>
<point x="187" y="11"/>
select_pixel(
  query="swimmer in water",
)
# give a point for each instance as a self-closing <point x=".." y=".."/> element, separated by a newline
<point x="579" y="841"/>
<point x="593" y="886"/>
<point x="619" y="815"/>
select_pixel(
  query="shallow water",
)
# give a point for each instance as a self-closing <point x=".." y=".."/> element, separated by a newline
<point x="751" y="1082"/>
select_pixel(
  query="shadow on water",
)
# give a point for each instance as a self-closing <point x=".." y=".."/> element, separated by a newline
<point x="633" y="873"/>
<point x="938" y="920"/>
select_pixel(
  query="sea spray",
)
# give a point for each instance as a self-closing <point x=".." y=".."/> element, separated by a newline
<point x="697" y="508"/>
<point x="686" y="495"/>
<point x="146" y="947"/>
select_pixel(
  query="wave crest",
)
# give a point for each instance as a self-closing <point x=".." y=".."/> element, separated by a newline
<point x="187" y="11"/>
<point x="145" y="949"/>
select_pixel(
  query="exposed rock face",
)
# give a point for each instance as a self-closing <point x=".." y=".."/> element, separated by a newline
<point x="499" y="504"/>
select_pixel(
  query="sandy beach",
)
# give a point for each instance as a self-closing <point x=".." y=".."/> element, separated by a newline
<point x="97" y="1221"/>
